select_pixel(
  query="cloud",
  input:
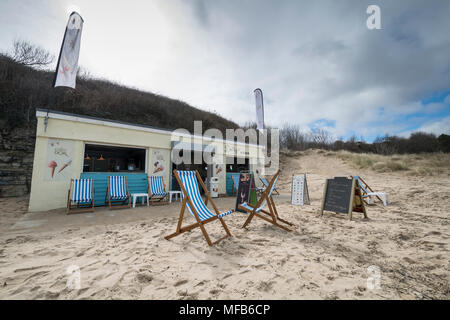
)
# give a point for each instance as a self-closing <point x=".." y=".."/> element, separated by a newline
<point x="437" y="127"/>
<point x="314" y="60"/>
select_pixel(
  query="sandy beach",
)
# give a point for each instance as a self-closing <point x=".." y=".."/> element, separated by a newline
<point x="123" y="254"/>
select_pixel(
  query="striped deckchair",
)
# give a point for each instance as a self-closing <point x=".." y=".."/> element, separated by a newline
<point x="188" y="181"/>
<point x="80" y="197"/>
<point x="368" y="193"/>
<point x="117" y="194"/>
<point x="266" y="199"/>
<point x="156" y="190"/>
<point x="266" y="184"/>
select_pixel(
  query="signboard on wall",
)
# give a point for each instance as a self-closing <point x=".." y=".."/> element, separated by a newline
<point x="299" y="192"/>
<point x="59" y="160"/>
<point x="159" y="162"/>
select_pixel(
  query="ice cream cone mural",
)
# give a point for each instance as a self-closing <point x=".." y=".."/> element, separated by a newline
<point x="159" y="161"/>
<point x="59" y="160"/>
<point x="52" y="165"/>
<point x="65" y="165"/>
<point x="157" y="167"/>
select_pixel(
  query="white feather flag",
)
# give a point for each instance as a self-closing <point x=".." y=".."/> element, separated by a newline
<point x="259" y="109"/>
<point x="67" y="67"/>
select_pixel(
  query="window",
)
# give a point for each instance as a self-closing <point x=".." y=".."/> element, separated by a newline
<point x="237" y="165"/>
<point x="99" y="158"/>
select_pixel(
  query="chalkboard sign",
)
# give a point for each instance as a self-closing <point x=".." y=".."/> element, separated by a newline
<point x="343" y="195"/>
<point x="338" y="194"/>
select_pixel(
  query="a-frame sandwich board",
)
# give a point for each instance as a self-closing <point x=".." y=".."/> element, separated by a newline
<point x="343" y="195"/>
<point x="299" y="190"/>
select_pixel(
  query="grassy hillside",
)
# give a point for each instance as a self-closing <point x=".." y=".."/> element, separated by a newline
<point x="23" y="89"/>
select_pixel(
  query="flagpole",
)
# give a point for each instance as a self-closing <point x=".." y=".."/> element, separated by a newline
<point x="52" y="90"/>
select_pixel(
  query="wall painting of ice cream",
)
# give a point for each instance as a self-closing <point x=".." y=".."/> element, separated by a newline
<point x="159" y="162"/>
<point x="218" y="168"/>
<point x="59" y="160"/>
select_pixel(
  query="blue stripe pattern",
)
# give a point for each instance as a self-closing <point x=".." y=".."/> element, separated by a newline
<point x="264" y="181"/>
<point x="246" y="206"/>
<point x="81" y="190"/>
<point x="117" y="188"/>
<point x="137" y="183"/>
<point x="156" y="186"/>
<point x="189" y="181"/>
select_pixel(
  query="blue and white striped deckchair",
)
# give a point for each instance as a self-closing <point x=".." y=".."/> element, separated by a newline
<point x="266" y="199"/>
<point x="81" y="195"/>
<point x="156" y="188"/>
<point x="368" y="193"/>
<point x="117" y="194"/>
<point x="266" y="184"/>
<point x="188" y="181"/>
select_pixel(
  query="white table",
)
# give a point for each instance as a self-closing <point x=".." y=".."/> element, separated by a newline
<point x="134" y="196"/>
<point x="178" y="195"/>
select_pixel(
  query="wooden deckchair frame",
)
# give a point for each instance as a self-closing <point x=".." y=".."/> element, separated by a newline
<point x="80" y="208"/>
<point x="157" y="200"/>
<point x="366" y="186"/>
<point x="272" y="214"/>
<point x="274" y="190"/>
<point x="117" y="204"/>
<point x="199" y="223"/>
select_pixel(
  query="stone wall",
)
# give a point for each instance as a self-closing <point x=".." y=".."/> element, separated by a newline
<point x="16" y="160"/>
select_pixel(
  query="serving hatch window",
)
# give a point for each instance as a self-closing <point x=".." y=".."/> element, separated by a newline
<point x="237" y="164"/>
<point x="100" y="158"/>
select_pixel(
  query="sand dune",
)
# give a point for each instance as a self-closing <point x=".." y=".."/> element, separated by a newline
<point x="124" y="255"/>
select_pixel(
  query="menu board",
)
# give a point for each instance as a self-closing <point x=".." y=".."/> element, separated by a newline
<point x="299" y="192"/>
<point x="338" y="195"/>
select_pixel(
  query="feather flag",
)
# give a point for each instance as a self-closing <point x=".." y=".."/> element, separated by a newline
<point x="259" y="109"/>
<point x="67" y="67"/>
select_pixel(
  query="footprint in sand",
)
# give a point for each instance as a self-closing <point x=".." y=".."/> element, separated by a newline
<point x="180" y="282"/>
<point x="144" y="277"/>
<point x="214" y="292"/>
<point x="265" y="286"/>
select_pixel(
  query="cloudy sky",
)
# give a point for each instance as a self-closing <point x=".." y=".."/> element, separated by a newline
<point x="317" y="63"/>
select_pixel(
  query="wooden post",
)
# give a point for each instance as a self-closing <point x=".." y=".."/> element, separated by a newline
<point x="93" y="195"/>
<point x="68" y="196"/>
<point x="352" y="199"/>
<point x="180" y="219"/>
<point x="323" y="198"/>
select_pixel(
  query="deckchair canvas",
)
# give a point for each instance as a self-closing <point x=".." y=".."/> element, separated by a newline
<point x="259" y="209"/>
<point x="80" y="197"/>
<point x="157" y="190"/>
<point x="188" y="181"/>
<point x="368" y="193"/>
<point x="117" y="193"/>
<point x="266" y="184"/>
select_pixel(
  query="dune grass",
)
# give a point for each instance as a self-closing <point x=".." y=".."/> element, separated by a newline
<point x="414" y="164"/>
